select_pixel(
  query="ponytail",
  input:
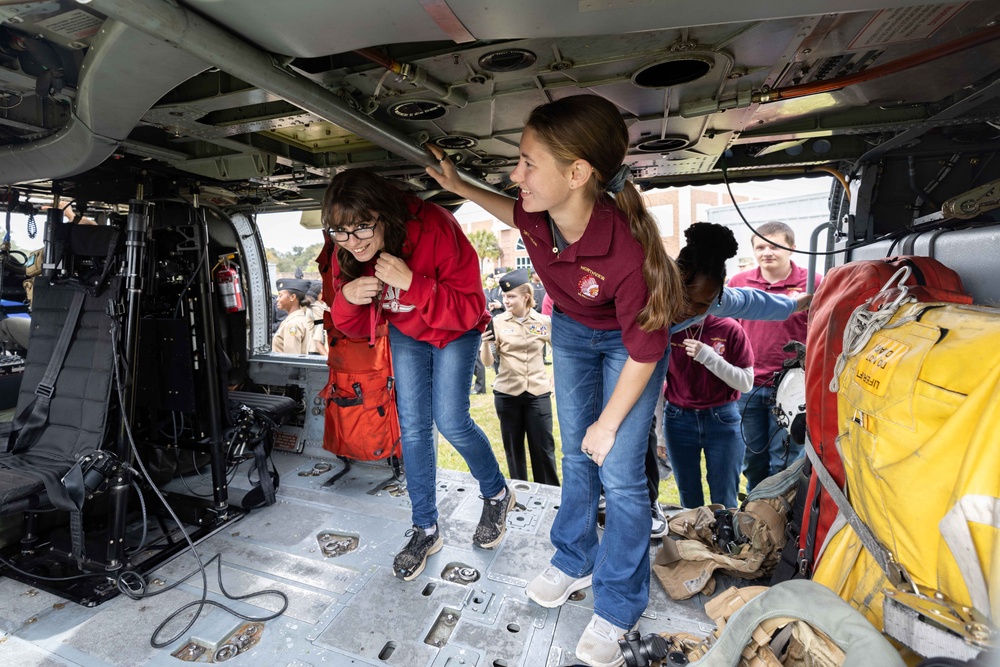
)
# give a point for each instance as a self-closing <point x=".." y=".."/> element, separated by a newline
<point x="591" y="128"/>
<point x="663" y="279"/>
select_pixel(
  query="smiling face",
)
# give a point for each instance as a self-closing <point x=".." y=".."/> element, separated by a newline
<point x="544" y="182"/>
<point x="363" y="249"/>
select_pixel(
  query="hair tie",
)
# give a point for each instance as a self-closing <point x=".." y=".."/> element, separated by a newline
<point x="617" y="182"/>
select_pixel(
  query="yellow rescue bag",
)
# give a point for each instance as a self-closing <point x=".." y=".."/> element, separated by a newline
<point x="919" y="409"/>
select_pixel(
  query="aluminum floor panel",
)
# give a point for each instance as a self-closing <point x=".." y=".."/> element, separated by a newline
<point x="345" y="609"/>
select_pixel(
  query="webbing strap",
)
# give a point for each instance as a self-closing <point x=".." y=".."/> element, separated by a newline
<point x="28" y="425"/>
<point x="893" y="571"/>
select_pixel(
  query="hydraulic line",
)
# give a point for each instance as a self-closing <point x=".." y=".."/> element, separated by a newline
<point x="964" y="43"/>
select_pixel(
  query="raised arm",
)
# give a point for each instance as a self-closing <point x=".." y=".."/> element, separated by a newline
<point x="499" y="206"/>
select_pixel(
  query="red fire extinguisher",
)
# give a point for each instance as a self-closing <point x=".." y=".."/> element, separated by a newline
<point x="227" y="283"/>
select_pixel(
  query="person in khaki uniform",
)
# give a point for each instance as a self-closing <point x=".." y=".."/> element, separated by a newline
<point x="315" y="304"/>
<point x="522" y="387"/>
<point x="295" y="335"/>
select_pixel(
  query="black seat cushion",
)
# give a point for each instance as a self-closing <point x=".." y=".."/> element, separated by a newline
<point x="277" y="408"/>
<point x="15" y="485"/>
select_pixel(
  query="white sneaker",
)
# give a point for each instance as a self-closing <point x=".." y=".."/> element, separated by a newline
<point x="659" y="522"/>
<point x="598" y="646"/>
<point x="553" y="587"/>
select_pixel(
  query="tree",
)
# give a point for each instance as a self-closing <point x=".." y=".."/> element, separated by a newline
<point x="486" y="244"/>
<point x="297" y="257"/>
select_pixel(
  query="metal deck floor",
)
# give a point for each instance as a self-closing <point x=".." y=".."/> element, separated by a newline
<point x="347" y="608"/>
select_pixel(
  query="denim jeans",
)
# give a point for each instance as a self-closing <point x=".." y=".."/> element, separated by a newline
<point x="432" y="387"/>
<point x="766" y="450"/>
<point x="587" y="363"/>
<point x="716" y="431"/>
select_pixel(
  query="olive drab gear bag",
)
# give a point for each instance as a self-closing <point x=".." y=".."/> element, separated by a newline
<point x="745" y="543"/>
<point x="792" y="624"/>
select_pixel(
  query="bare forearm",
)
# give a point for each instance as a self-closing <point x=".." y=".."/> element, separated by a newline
<point x="486" y="354"/>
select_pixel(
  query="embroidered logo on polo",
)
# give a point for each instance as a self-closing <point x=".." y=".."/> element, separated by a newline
<point x="589" y="285"/>
<point x="720" y="347"/>
<point x="391" y="302"/>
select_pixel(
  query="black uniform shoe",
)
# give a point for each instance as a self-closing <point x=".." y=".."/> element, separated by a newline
<point x="493" y="522"/>
<point x="410" y="562"/>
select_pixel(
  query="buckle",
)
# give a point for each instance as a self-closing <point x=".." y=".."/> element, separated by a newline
<point x="45" y="390"/>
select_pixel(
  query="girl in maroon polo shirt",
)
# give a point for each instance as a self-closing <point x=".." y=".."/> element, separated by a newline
<point x="710" y="363"/>
<point x="615" y="293"/>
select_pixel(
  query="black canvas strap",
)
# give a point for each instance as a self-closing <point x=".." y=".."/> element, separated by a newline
<point x="28" y="425"/>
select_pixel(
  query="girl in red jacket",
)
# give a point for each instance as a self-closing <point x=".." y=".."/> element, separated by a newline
<point x="410" y="261"/>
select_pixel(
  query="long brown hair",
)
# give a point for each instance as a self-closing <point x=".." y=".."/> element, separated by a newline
<point x="349" y="200"/>
<point x="587" y="127"/>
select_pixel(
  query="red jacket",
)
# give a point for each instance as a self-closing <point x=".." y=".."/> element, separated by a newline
<point x="445" y="299"/>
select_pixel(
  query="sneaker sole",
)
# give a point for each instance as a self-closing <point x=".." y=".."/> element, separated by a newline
<point x="503" y="525"/>
<point x="436" y="547"/>
<point x="658" y="533"/>
<point x="580" y="584"/>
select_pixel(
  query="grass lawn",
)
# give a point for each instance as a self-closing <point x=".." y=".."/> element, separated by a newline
<point x="484" y="413"/>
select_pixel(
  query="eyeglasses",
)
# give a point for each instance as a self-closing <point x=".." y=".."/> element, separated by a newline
<point x="361" y="232"/>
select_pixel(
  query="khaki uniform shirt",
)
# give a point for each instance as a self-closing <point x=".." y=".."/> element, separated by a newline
<point x="295" y="335"/>
<point x="320" y="345"/>
<point x="519" y="346"/>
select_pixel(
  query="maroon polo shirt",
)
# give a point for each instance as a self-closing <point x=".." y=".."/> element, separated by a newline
<point x="597" y="280"/>
<point x="692" y="386"/>
<point x="768" y="337"/>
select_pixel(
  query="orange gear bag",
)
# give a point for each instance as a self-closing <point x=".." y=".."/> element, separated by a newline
<point x="361" y="418"/>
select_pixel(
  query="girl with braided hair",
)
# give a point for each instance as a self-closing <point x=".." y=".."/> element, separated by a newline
<point x="702" y="263"/>
<point x="711" y="363"/>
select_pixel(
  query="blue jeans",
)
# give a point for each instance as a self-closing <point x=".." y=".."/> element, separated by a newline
<point x="432" y="387"/>
<point x="586" y="366"/>
<point x="717" y="432"/>
<point x="766" y="450"/>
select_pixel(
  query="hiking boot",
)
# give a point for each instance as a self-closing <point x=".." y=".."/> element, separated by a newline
<point x="598" y="646"/>
<point x="493" y="522"/>
<point x="553" y="587"/>
<point x="410" y="561"/>
<point x="659" y="522"/>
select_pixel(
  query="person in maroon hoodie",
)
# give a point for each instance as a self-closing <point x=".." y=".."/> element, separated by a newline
<point x="408" y="261"/>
